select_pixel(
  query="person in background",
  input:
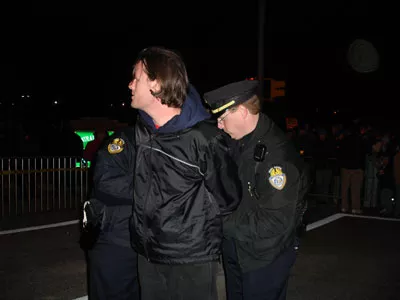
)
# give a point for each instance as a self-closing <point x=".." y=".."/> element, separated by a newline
<point x="387" y="184"/>
<point x="324" y="154"/>
<point x="352" y="155"/>
<point x="371" y="171"/>
<point x="92" y="147"/>
<point x="396" y="171"/>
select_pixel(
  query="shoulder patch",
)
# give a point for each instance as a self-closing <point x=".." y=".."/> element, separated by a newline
<point x="116" y="146"/>
<point x="277" y="178"/>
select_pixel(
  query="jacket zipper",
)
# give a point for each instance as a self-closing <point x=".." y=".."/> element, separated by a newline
<point x="145" y="225"/>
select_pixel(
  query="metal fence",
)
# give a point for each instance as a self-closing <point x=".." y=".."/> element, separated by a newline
<point x="39" y="184"/>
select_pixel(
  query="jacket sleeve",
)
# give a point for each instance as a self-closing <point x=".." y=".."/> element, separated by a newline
<point x="113" y="173"/>
<point x="221" y="176"/>
<point x="272" y="212"/>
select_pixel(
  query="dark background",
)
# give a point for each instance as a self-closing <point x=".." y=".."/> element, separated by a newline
<point x="81" y="54"/>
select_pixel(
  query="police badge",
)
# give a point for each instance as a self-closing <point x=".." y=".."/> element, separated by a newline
<point x="116" y="146"/>
<point x="277" y="178"/>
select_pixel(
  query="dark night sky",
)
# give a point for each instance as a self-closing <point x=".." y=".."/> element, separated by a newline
<point x="84" y="55"/>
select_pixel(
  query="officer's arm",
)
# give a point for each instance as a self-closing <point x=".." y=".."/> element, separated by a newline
<point x="221" y="177"/>
<point x="111" y="183"/>
<point x="273" y="210"/>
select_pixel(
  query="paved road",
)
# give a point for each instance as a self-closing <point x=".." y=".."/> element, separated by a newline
<point x="44" y="264"/>
<point x="350" y="258"/>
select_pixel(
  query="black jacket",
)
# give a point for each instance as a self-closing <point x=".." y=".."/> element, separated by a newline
<point x="352" y="152"/>
<point x="184" y="182"/>
<point x="264" y="225"/>
<point x="113" y="187"/>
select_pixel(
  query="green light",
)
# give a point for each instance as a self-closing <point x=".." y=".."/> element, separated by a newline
<point x="88" y="136"/>
<point x="78" y="164"/>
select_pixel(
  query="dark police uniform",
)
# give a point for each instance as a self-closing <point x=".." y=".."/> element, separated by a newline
<point x="258" y="249"/>
<point x="112" y="261"/>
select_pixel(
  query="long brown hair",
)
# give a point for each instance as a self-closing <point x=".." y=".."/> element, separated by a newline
<point x="167" y="67"/>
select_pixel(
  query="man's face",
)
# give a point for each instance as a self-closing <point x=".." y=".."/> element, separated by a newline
<point x="140" y="86"/>
<point x="231" y="122"/>
<point x="377" y="147"/>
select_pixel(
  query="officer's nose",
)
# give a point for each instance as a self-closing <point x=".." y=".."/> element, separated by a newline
<point x="220" y="124"/>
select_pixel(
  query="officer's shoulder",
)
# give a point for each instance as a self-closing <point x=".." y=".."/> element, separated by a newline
<point x="127" y="132"/>
<point x="279" y="146"/>
<point x="119" y="141"/>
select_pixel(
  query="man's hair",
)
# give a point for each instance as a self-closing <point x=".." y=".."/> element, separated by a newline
<point x="253" y="105"/>
<point x="167" y="67"/>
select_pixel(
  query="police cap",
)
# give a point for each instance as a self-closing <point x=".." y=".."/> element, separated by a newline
<point x="230" y="95"/>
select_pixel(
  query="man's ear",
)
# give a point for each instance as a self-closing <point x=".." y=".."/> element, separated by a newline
<point x="154" y="87"/>
<point x="244" y="111"/>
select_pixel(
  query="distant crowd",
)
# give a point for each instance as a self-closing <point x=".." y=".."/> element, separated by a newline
<point x="365" y="157"/>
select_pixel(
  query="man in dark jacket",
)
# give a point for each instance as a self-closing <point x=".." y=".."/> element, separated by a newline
<point x="185" y="181"/>
<point x="324" y="163"/>
<point x="260" y="236"/>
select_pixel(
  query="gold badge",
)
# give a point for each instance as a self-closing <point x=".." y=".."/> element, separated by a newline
<point x="116" y="146"/>
<point x="277" y="178"/>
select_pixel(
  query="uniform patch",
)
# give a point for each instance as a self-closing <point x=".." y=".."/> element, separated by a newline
<point x="277" y="178"/>
<point x="116" y="146"/>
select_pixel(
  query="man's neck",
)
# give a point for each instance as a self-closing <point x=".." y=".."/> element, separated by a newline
<point x="250" y="125"/>
<point x="163" y="114"/>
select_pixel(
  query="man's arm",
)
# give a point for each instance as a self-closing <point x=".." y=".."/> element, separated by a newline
<point x="221" y="176"/>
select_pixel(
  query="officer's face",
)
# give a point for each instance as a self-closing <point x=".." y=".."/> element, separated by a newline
<point x="230" y="122"/>
<point x="140" y="86"/>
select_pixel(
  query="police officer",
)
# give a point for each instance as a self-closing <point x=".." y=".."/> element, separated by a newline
<point x="260" y="236"/>
<point x="112" y="262"/>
